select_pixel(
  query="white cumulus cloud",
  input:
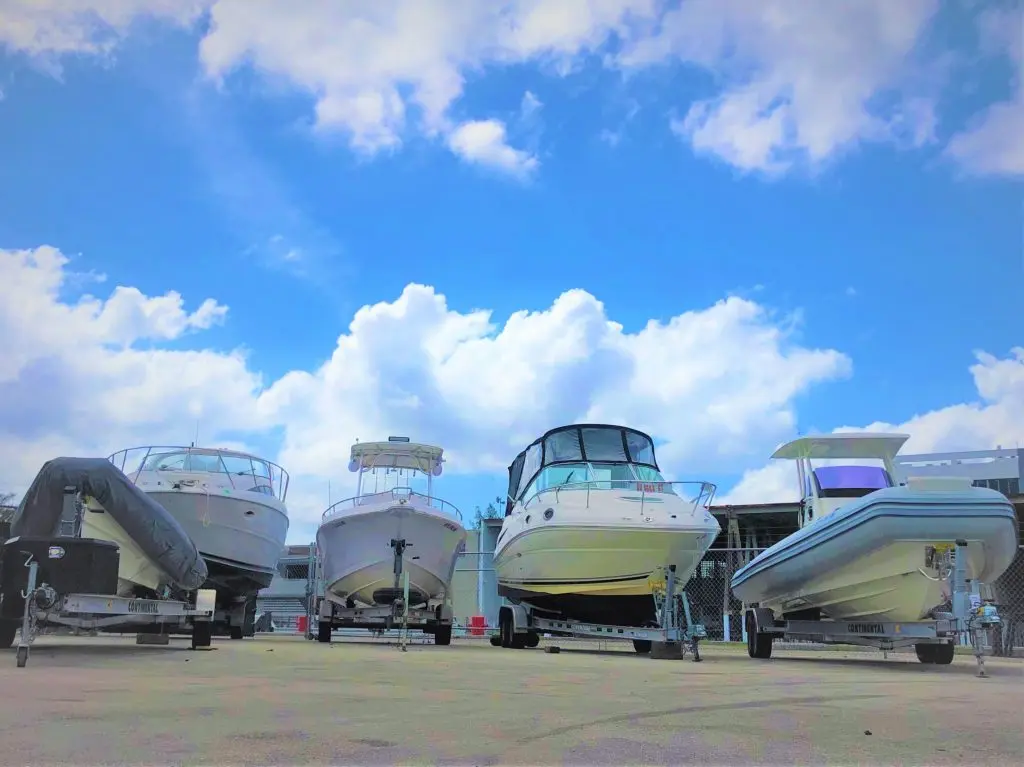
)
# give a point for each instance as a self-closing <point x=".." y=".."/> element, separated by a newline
<point x="484" y="142"/>
<point x="715" y="385"/>
<point x="995" y="418"/>
<point x="792" y="81"/>
<point x="801" y="80"/>
<point x="994" y="142"/>
<point x="87" y="375"/>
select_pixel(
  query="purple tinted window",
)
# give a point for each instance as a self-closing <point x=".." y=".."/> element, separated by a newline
<point x="852" y="477"/>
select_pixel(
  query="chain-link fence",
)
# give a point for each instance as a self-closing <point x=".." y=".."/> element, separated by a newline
<point x="1008" y="592"/>
<point x="711" y="600"/>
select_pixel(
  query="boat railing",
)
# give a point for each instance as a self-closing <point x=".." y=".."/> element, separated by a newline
<point x="699" y="494"/>
<point x="394" y="494"/>
<point x="245" y="472"/>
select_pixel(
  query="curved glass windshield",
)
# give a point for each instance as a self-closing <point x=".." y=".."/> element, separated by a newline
<point x="599" y="476"/>
<point x="240" y="467"/>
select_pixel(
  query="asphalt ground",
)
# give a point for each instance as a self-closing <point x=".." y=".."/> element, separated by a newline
<point x="284" y="700"/>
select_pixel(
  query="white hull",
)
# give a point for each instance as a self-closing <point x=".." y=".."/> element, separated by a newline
<point x="357" y="559"/>
<point x="245" y="529"/>
<point x="867" y="561"/>
<point x="601" y="543"/>
<point x="134" y="569"/>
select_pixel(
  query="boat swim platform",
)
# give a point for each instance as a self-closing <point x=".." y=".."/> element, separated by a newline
<point x="285" y="700"/>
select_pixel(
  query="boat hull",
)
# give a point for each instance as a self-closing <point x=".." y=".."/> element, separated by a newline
<point x="240" y="536"/>
<point x="867" y="561"/>
<point x="597" y="559"/>
<point x="135" y="570"/>
<point x="357" y="559"/>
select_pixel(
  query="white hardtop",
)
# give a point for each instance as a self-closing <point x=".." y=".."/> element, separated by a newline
<point x="396" y="455"/>
<point x="854" y="445"/>
<point x="858" y="446"/>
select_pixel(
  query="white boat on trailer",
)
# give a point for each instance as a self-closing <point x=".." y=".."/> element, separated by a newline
<point x="596" y="542"/>
<point x="386" y="556"/>
<point x="876" y="563"/>
<point x="232" y="505"/>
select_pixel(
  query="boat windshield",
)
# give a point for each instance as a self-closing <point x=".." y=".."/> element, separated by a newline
<point x="586" y="456"/>
<point x="850" y="481"/>
<point x="596" y="476"/>
<point x="244" y="472"/>
<point x="379" y="479"/>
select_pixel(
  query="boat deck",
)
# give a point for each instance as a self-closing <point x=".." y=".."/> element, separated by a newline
<point x="283" y="700"/>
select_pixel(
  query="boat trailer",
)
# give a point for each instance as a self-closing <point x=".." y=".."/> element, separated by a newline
<point x="520" y="626"/>
<point x="332" y="614"/>
<point x="934" y="641"/>
<point x="44" y="606"/>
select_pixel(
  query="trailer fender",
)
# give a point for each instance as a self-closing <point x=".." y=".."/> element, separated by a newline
<point x="325" y="610"/>
<point x="764" y="618"/>
<point x="520" y="619"/>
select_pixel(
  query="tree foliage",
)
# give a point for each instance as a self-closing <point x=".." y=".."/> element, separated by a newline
<point x="491" y="511"/>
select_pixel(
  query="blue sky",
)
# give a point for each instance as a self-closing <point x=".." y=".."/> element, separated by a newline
<point x="859" y="200"/>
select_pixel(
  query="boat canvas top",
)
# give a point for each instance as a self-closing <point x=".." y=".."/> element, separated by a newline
<point x="397" y="453"/>
<point x="578" y="443"/>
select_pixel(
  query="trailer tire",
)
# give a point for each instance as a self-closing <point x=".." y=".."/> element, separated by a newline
<point x="642" y="646"/>
<point x="759" y="643"/>
<point x="944" y="653"/>
<point x="532" y="639"/>
<point x="202" y="634"/>
<point x="443" y="634"/>
<point x="496" y="640"/>
<point x="235" y="632"/>
<point x="22" y="659"/>
<point x="323" y="631"/>
<point x="8" y="629"/>
<point x="505" y="627"/>
<point x="935" y="654"/>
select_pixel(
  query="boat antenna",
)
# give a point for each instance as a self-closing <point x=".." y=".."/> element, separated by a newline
<point x="196" y="442"/>
<point x="328" y="493"/>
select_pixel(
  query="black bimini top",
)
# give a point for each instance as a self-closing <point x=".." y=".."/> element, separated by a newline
<point x="578" y="443"/>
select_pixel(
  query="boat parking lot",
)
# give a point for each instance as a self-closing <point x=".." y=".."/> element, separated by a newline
<point x="284" y="700"/>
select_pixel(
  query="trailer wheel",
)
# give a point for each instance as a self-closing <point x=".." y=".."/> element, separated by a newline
<point x="505" y="627"/>
<point x="22" y="657"/>
<point x="943" y="653"/>
<point x="759" y="644"/>
<point x="202" y="634"/>
<point x="235" y="632"/>
<point x="8" y="629"/>
<point x="323" y="631"/>
<point x="443" y="634"/>
<point x="532" y="639"/>
<point x="496" y="640"/>
<point x="642" y="646"/>
<point x="938" y="654"/>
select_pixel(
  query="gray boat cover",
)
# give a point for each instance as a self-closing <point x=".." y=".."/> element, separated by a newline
<point x="148" y="523"/>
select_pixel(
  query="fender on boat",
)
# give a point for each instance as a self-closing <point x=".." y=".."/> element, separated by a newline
<point x="156" y="532"/>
